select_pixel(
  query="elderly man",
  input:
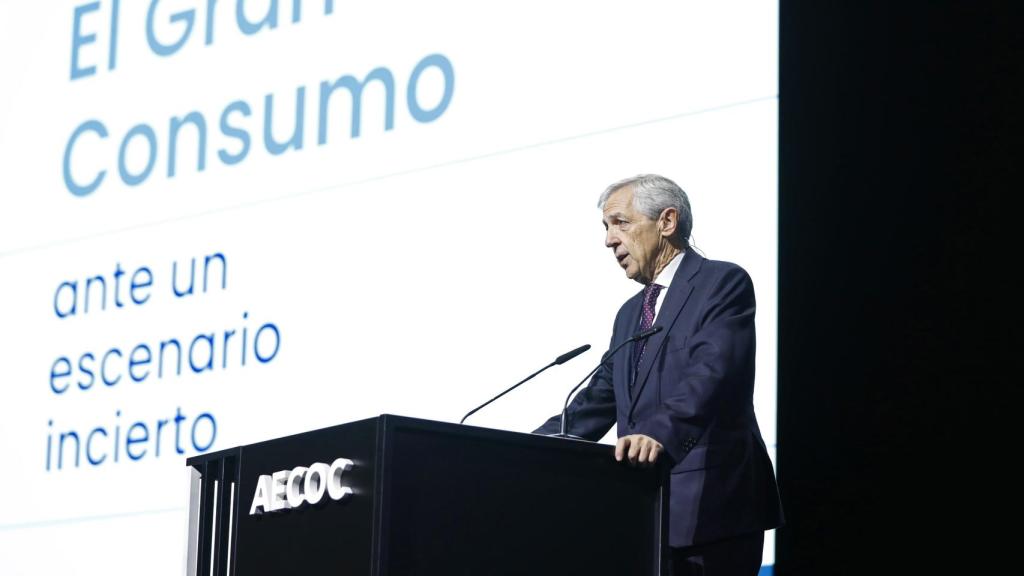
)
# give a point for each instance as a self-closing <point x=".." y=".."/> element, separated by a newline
<point x="687" y="392"/>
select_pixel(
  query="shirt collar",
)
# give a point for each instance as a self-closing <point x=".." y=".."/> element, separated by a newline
<point x="665" y="277"/>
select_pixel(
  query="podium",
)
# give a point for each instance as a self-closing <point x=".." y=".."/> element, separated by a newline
<point x="398" y="496"/>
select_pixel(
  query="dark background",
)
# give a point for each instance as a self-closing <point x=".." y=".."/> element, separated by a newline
<point x="900" y="125"/>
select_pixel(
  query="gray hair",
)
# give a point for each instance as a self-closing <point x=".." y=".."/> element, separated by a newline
<point x="652" y="194"/>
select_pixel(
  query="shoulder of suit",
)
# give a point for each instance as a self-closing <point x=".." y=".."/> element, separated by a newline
<point x="712" y="270"/>
<point x="721" y="266"/>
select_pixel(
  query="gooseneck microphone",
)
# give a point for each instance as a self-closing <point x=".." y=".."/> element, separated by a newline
<point x="562" y="433"/>
<point x="560" y="360"/>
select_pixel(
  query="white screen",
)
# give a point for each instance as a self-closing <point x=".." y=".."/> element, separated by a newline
<point x="448" y="249"/>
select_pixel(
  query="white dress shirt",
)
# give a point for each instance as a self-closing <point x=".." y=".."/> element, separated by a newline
<point x="664" y="279"/>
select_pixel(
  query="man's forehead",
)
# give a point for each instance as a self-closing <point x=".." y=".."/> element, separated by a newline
<point x="619" y="202"/>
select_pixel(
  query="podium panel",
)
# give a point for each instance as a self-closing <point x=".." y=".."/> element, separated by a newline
<point x="402" y="496"/>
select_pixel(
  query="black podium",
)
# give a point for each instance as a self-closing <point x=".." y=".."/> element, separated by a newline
<point x="400" y="496"/>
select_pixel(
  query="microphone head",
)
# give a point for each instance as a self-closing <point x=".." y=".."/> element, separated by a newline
<point x="571" y="354"/>
<point x="646" y="333"/>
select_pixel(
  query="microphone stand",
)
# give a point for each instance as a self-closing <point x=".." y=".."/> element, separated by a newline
<point x="563" y="427"/>
<point x="560" y="360"/>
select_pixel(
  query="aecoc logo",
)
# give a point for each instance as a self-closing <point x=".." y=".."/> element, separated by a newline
<point x="299" y="486"/>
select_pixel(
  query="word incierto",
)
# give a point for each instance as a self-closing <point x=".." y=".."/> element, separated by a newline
<point x="104" y="443"/>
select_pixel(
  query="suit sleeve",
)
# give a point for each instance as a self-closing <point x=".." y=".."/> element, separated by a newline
<point x="592" y="412"/>
<point x="712" y="374"/>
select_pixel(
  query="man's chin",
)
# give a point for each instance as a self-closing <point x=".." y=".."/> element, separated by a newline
<point x="636" y="276"/>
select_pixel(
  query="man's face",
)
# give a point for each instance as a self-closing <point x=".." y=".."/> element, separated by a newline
<point x="635" y="239"/>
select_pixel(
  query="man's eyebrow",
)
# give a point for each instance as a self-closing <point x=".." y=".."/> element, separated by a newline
<point x="616" y="215"/>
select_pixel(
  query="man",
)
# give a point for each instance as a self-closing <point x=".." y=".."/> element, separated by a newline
<point x="685" y="393"/>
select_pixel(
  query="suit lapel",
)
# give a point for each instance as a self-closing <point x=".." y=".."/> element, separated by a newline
<point x="678" y="294"/>
<point x="623" y="364"/>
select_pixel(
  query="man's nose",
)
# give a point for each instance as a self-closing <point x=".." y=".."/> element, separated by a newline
<point x="610" y="239"/>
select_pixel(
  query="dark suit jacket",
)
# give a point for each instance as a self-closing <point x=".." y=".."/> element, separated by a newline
<point x="693" y="393"/>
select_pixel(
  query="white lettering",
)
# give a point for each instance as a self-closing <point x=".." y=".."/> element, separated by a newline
<point x="286" y="489"/>
<point x="316" y="482"/>
<point x="334" y="487"/>
<point x="277" y="500"/>
<point x="294" y="486"/>
<point x="261" y="501"/>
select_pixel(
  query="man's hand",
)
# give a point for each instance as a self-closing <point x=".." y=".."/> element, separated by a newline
<point x="638" y="449"/>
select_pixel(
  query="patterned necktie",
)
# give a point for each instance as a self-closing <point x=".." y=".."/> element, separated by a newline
<point x="651" y="292"/>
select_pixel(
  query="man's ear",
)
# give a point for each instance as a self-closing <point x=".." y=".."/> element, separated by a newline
<point x="668" y="222"/>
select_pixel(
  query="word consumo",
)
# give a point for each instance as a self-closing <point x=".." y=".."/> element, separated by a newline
<point x="92" y="150"/>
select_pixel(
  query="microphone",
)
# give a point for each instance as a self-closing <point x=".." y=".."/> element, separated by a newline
<point x="569" y="355"/>
<point x="562" y="433"/>
<point x="558" y="361"/>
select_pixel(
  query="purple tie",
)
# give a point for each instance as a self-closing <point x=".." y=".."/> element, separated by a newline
<point x="651" y="292"/>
